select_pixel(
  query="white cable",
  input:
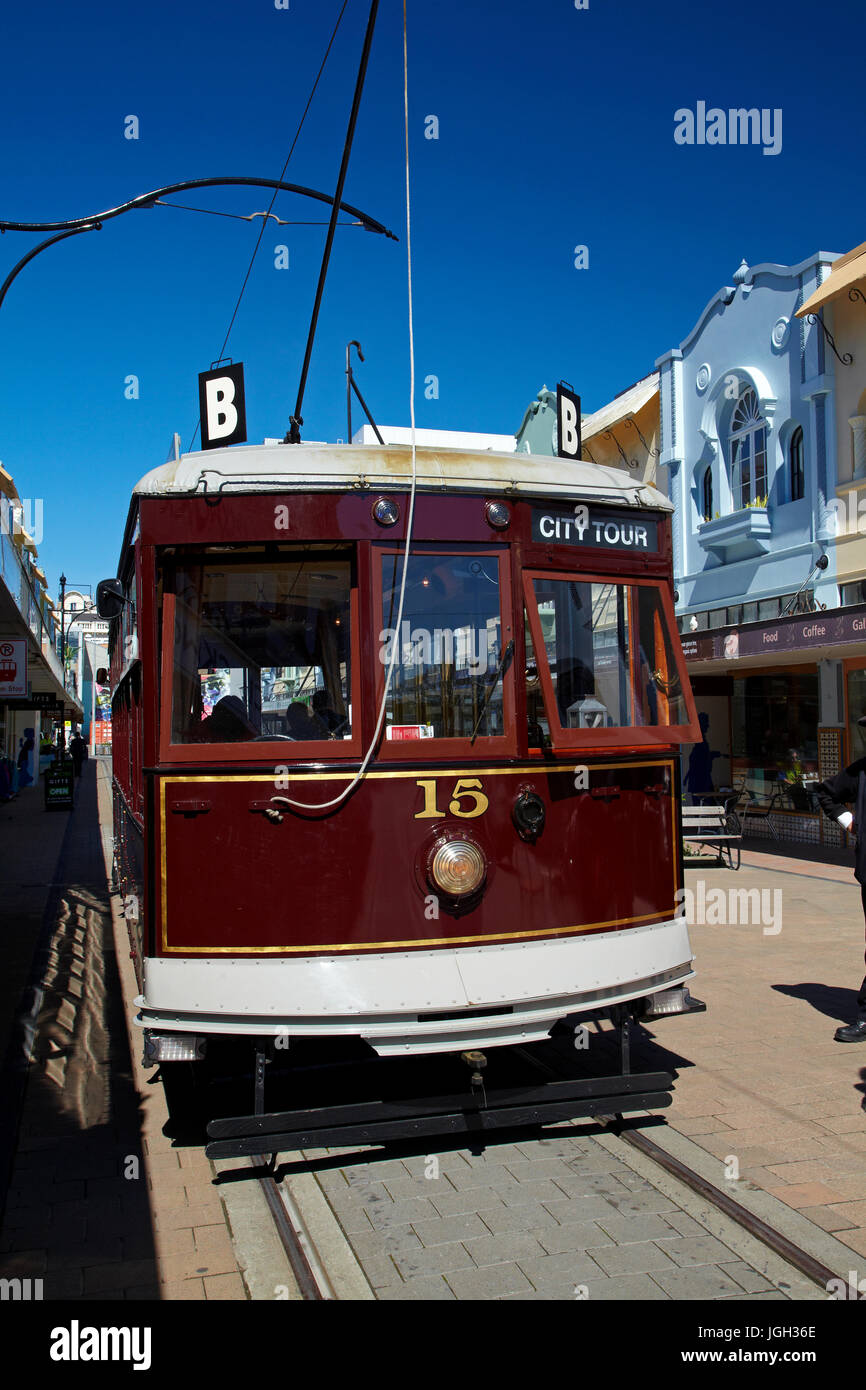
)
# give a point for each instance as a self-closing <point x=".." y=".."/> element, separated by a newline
<point x="278" y="801"/>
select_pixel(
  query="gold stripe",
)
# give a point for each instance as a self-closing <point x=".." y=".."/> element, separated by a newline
<point x="417" y="944"/>
<point x="545" y="768"/>
<point x="379" y="946"/>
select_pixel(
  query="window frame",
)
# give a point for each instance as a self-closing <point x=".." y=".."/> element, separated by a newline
<point x="621" y="735"/>
<point x="272" y="751"/>
<point x="743" y="444"/>
<point x="436" y="749"/>
<point x="798" y="474"/>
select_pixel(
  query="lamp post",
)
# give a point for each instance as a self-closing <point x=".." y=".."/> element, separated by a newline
<point x="63" y="667"/>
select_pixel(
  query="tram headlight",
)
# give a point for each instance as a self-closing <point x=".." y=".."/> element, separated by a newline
<point x="457" y="868"/>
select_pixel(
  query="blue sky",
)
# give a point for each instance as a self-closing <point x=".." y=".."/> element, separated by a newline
<point x="555" y="130"/>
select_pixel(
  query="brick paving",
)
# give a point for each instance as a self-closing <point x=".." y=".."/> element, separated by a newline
<point x="765" y="1082"/>
<point x="100" y="1206"/>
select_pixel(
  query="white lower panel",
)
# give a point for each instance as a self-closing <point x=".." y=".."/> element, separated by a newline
<point x="387" y="999"/>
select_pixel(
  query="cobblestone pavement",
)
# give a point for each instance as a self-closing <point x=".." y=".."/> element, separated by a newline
<point x="555" y="1218"/>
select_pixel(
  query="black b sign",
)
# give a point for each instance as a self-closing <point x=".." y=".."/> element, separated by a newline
<point x="567" y="423"/>
<point x="221" y="406"/>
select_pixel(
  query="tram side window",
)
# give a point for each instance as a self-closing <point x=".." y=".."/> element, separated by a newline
<point x="262" y="651"/>
<point x="536" y="715"/>
<point x="609" y="655"/>
<point x="448" y="648"/>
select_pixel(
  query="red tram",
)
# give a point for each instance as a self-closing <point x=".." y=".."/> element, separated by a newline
<point x="396" y="755"/>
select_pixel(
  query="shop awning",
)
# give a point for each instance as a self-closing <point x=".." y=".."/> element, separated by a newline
<point x="622" y="407"/>
<point x="849" y="270"/>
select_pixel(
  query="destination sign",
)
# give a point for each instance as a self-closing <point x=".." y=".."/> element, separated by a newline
<point x="592" y="526"/>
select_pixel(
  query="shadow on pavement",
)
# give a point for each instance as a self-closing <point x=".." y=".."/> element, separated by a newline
<point x="77" y="1212"/>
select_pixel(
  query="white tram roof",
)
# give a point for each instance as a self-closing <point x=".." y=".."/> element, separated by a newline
<point x="338" y="467"/>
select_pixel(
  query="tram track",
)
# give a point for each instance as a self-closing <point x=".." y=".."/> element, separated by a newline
<point x="314" y="1283"/>
<point x="300" y="1249"/>
<point x="793" y="1254"/>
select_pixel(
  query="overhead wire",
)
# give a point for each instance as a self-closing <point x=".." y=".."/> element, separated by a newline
<point x="277" y="801"/>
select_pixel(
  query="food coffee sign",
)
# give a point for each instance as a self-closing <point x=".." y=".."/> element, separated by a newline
<point x="13" y="668"/>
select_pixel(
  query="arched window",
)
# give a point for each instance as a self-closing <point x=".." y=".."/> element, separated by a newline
<point x="748" y="441"/>
<point x="798" y="477"/>
<point x="707" y="495"/>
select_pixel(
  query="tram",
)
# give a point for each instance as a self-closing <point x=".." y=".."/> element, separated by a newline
<point x="396" y="750"/>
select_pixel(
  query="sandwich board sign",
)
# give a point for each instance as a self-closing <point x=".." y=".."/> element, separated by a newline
<point x="222" y="407"/>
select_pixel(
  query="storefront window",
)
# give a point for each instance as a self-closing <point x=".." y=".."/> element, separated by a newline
<point x="775" y="728"/>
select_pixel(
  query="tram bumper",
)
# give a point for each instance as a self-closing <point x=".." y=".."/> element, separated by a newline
<point x="413" y="1002"/>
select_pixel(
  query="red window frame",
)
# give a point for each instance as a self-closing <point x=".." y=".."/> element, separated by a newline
<point x="434" y="749"/>
<point x="619" y="735"/>
<point x="273" y="751"/>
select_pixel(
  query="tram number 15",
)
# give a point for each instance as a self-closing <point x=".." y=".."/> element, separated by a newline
<point x="467" y="799"/>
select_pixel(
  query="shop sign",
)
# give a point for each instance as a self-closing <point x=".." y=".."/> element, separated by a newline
<point x="13" y="667"/>
<point x="595" y="528"/>
<point x="799" y="633"/>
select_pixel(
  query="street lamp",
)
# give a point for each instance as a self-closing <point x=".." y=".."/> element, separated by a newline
<point x="63" y="667"/>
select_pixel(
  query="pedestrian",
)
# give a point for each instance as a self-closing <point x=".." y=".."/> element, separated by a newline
<point x="78" y="750"/>
<point x="850" y="787"/>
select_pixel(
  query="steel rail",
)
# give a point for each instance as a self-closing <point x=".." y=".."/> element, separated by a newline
<point x="306" y="1265"/>
<point x="149" y="200"/>
<point x="767" y="1235"/>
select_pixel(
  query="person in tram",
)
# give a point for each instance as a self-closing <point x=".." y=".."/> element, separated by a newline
<point x="835" y="795"/>
<point x="228" y="722"/>
<point x="302" y="724"/>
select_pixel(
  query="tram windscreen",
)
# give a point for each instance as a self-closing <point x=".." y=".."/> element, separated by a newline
<point x="609" y="655"/>
<point x="448" y="647"/>
<point x="262" y="650"/>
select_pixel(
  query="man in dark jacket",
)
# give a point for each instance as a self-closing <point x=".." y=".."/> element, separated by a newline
<point x="850" y="787"/>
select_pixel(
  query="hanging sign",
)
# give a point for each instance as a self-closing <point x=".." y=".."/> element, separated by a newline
<point x="568" y="441"/>
<point x="222" y="408"/>
<point x="13" y="667"/>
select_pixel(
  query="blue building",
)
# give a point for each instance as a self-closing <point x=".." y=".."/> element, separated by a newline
<point x="748" y="426"/>
<point x="747" y="439"/>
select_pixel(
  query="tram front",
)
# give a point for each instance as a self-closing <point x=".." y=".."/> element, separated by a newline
<point x="420" y="790"/>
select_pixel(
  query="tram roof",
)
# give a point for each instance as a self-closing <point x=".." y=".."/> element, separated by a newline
<point x="338" y="467"/>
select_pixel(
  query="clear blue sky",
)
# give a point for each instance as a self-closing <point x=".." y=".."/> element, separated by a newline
<point x="555" y="129"/>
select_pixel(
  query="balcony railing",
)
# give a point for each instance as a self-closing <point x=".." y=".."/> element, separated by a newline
<point x="30" y="601"/>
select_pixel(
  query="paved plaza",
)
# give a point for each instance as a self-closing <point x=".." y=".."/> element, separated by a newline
<point x="766" y="1106"/>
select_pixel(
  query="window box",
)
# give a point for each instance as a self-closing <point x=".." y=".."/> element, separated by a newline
<point x="739" y="535"/>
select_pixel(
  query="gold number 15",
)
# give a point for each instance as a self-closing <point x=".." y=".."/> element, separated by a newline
<point x="466" y="790"/>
